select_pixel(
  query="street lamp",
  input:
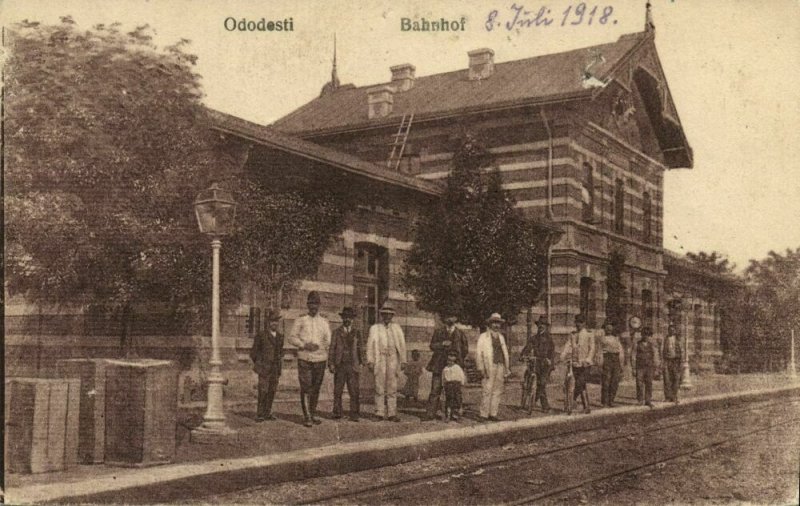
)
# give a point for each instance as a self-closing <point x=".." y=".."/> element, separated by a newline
<point x="215" y="210"/>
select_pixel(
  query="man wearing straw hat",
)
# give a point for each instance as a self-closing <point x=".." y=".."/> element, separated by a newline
<point x="386" y="357"/>
<point x="491" y="357"/>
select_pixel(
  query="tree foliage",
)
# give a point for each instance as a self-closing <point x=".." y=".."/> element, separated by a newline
<point x="714" y="262"/>
<point x="476" y="254"/>
<point x="107" y="146"/>
<point x="774" y="302"/>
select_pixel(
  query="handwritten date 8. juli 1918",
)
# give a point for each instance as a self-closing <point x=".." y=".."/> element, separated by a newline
<point x="519" y="17"/>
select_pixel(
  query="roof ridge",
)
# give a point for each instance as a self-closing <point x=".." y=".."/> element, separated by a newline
<point x="626" y="36"/>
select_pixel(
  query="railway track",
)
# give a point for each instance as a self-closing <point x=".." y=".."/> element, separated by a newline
<point x="633" y="469"/>
<point x="352" y="496"/>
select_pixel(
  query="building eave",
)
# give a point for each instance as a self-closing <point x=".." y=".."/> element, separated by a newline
<point x="269" y="137"/>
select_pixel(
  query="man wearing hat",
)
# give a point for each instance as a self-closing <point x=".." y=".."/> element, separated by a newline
<point x="267" y="356"/>
<point x="491" y="357"/>
<point x="671" y="359"/>
<point x="344" y="361"/>
<point x="386" y="357"/>
<point x="542" y="349"/>
<point x="444" y="340"/>
<point x="312" y="336"/>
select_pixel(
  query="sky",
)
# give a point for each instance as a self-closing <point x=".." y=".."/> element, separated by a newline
<point x="733" y="68"/>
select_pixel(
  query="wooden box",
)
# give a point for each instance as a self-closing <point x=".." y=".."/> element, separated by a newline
<point x="41" y="424"/>
<point x="92" y="419"/>
<point x="141" y="412"/>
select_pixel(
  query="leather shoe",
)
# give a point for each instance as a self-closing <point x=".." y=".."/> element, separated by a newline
<point x="308" y="423"/>
<point x="337" y="417"/>
<point x="315" y="420"/>
<point x="260" y="419"/>
<point x="394" y="418"/>
<point x="353" y="418"/>
<point x="494" y="419"/>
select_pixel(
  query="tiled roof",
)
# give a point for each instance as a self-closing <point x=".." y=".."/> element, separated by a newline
<point x="531" y="80"/>
<point x="270" y="137"/>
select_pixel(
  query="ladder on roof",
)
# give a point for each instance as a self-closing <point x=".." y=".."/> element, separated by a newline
<point x="399" y="144"/>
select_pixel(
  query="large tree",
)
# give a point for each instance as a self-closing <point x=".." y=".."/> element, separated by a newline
<point x="774" y="302"/>
<point x="107" y="145"/>
<point x="476" y="254"/>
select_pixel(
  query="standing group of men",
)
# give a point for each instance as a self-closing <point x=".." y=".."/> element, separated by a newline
<point x="344" y="352"/>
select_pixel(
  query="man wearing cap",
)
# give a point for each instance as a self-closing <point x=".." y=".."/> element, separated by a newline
<point x="542" y="349"/>
<point x="386" y="357"/>
<point x="267" y="356"/>
<point x="444" y="340"/>
<point x="344" y="361"/>
<point x="491" y="357"/>
<point x="579" y="350"/>
<point x="613" y="357"/>
<point x="312" y="336"/>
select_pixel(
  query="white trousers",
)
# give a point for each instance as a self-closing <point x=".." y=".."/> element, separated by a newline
<point x="492" y="390"/>
<point x="386" y="385"/>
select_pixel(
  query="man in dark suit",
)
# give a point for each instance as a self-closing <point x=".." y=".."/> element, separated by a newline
<point x="267" y="356"/>
<point x="444" y="340"/>
<point x="347" y="355"/>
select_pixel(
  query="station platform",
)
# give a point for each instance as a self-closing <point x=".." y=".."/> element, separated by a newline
<point x="284" y="449"/>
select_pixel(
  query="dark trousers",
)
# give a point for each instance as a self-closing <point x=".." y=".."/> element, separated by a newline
<point x="672" y="378"/>
<point x="580" y="374"/>
<point x="310" y="375"/>
<point x="345" y="375"/>
<point x="612" y="370"/>
<point x="542" y="375"/>
<point x="452" y="396"/>
<point x="644" y="384"/>
<point x="436" y="392"/>
<point x="267" y="386"/>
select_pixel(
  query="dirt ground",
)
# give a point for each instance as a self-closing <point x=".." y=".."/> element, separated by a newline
<point x="762" y="468"/>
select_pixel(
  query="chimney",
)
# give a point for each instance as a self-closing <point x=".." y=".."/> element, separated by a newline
<point x="481" y="63"/>
<point x="380" y="100"/>
<point x="403" y="76"/>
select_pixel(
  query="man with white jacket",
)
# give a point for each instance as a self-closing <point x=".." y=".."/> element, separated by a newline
<point x="491" y="357"/>
<point x="386" y="357"/>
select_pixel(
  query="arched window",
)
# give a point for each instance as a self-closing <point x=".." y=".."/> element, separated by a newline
<point x="619" y="206"/>
<point x="587" y="193"/>
<point x="370" y="280"/>
<point x="648" y="217"/>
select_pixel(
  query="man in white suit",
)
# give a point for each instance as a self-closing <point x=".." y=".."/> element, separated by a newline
<point x="386" y="357"/>
<point x="491" y="357"/>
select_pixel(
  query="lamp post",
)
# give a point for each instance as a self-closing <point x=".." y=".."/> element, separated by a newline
<point x="686" y="378"/>
<point x="215" y="210"/>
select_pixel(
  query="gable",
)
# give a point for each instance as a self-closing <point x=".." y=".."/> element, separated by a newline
<point x="641" y="85"/>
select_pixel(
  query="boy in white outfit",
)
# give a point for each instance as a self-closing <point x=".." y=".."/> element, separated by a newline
<point x="452" y="377"/>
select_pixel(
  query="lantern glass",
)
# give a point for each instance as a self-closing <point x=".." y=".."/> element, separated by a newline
<point x="215" y="210"/>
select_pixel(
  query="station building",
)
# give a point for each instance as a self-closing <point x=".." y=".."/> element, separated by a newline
<point x="583" y="140"/>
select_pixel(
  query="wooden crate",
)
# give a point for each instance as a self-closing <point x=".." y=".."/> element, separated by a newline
<point x="141" y="412"/>
<point x="41" y="424"/>
<point x="92" y="420"/>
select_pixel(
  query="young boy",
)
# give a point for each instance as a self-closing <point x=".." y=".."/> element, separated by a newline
<point x="412" y="371"/>
<point x="452" y="377"/>
<point x="643" y="365"/>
